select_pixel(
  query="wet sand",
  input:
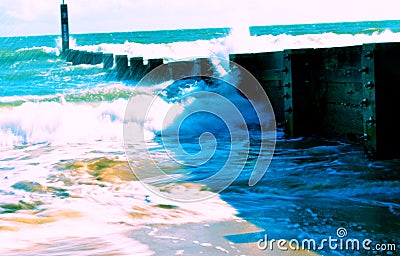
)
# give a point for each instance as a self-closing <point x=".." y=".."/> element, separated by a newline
<point x="205" y="239"/>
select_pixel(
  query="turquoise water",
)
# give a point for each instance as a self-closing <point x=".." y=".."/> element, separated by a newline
<point x="63" y="164"/>
<point x="366" y="27"/>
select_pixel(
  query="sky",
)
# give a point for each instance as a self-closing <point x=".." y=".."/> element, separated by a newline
<point x="42" y="17"/>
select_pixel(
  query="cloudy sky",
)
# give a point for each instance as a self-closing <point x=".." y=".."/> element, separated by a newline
<point x="40" y="17"/>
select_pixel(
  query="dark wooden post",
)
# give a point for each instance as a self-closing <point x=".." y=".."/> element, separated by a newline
<point x="88" y="57"/>
<point x="299" y="92"/>
<point x="97" y="58"/>
<point x="153" y="63"/>
<point x="121" y="64"/>
<point x="181" y="69"/>
<point x="137" y="68"/>
<point x="108" y="60"/>
<point x="204" y="67"/>
<point x="70" y="55"/>
<point x="64" y="27"/>
<point x="340" y="103"/>
<point x="79" y="57"/>
<point x="381" y="78"/>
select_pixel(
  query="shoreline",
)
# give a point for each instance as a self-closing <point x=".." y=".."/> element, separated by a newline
<point x="205" y="239"/>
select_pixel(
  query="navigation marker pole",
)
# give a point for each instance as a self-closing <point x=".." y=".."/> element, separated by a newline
<point x="64" y="27"/>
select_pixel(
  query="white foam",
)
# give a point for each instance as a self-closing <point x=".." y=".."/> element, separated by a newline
<point x="106" y="213"/>
<point x="59" y="124"/>
<point x="240" y="41"/>
<point x="41" y="49"/>
<point x="72" y="43"/>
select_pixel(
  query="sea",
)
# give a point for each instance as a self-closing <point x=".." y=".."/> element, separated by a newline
<point x="72" y="183"/>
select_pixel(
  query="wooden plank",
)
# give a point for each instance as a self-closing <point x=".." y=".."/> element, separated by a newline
<point x="344" y="93"/>
<point x="156" y="72"/>
<point x="203" y="67"/>
<point x="299" y="87"/>
<point x="341" y="57"/>
<point x="108" y="60"/>
<point x="340" y="94"/>
<point x="257" y="63"/>
<point x="270" y="75"/>
<point x="247" y="61"/>
<point x="136" y="68"/>
<point x="121" y="64"/>
<point x="270" y="60"/>
<point x="343" y="122"/>
<point x="274" y="91"/>
<point x="181" y="69"/>
<point x="382" y="61"/>
<point x="343" y="75"/>
<point x="368" y="77"/>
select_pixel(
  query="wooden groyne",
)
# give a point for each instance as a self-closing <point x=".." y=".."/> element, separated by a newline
<point x="342" y="93"/>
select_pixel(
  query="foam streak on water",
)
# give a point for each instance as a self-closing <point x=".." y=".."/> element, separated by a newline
<point x="73" y="198"/>
<point x="238" y="41"/>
